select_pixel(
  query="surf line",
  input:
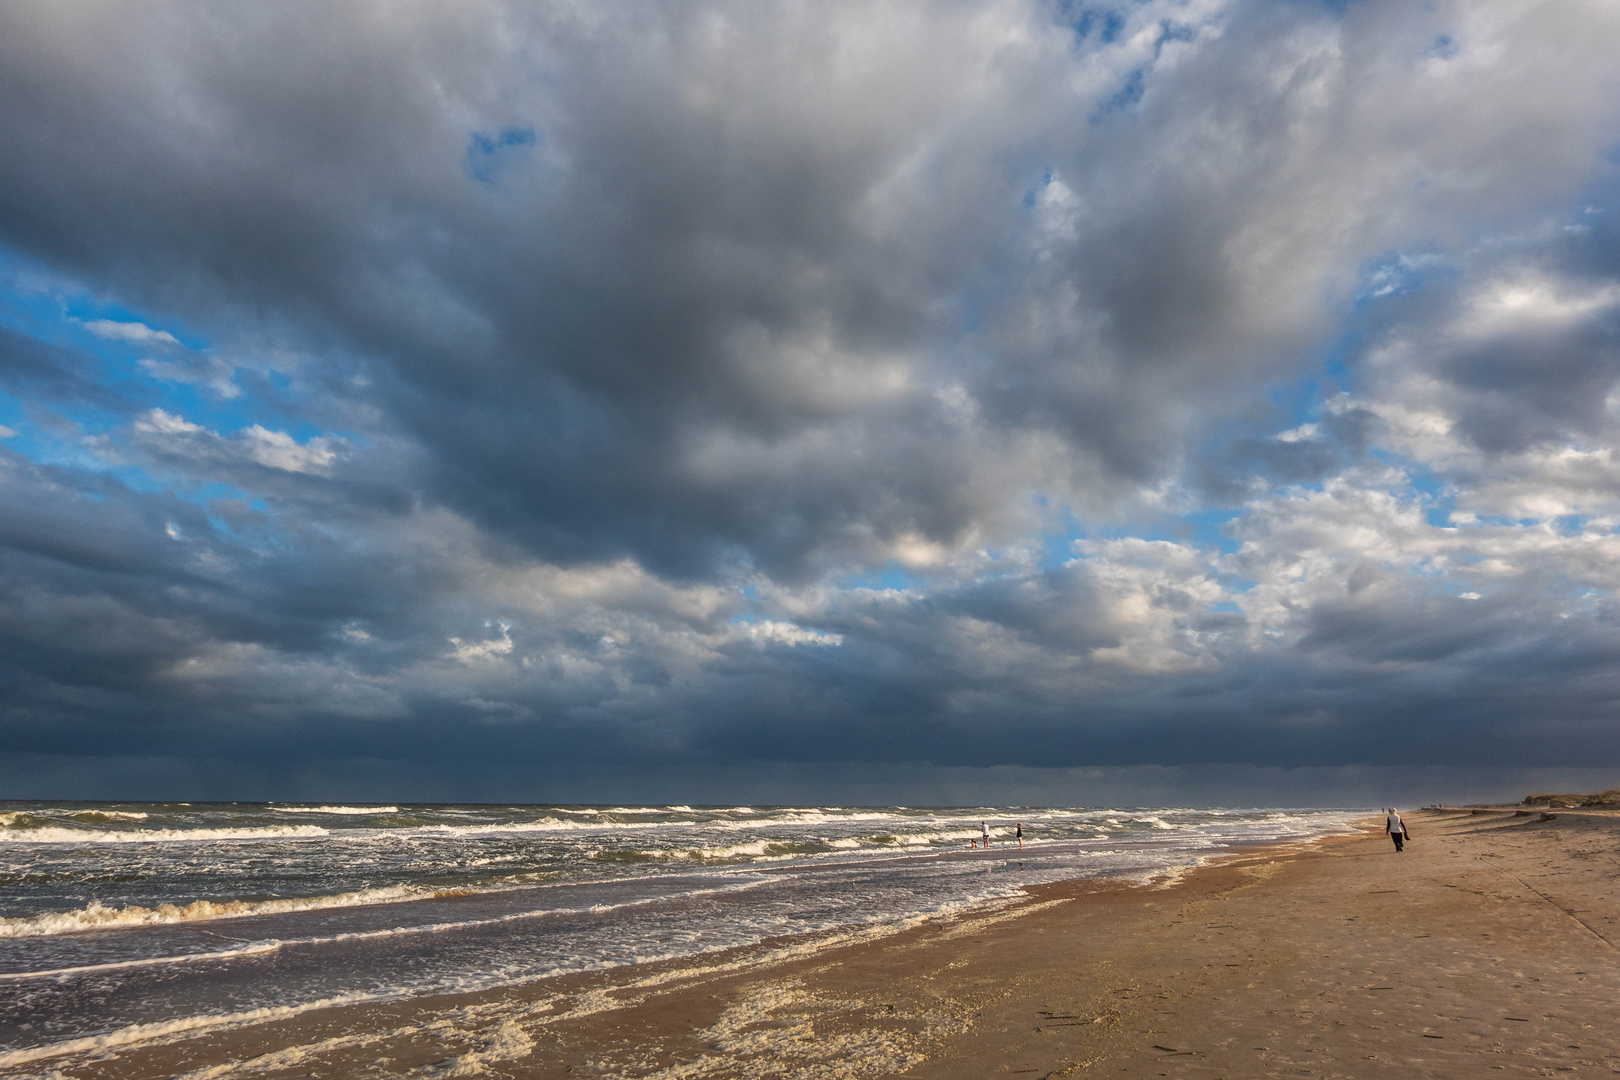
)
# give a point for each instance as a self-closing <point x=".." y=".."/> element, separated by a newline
<point x="260" y="948"/>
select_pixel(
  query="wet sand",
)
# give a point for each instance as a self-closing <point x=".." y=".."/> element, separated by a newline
<point x="1488" y="947"/>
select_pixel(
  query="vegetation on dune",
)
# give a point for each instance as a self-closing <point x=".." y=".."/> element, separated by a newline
<point x="1601" y="798"/>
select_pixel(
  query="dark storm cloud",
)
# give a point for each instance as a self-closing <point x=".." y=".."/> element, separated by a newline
<point x="565" y="366"/>
<point x="1303" y="455"/>
<point x="108" y="586"/>
<point x="706" y="313"/>
<point x="43" y="372"/>
<point x="1538" y="387"/>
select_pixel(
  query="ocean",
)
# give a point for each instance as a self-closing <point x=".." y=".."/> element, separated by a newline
<point x="121" y="921"/>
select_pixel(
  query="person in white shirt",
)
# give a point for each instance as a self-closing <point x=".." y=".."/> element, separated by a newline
<point x="1396" y="829"/>
<point x="984" y="830"/>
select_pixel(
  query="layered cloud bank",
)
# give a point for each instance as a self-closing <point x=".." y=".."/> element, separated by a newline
<point x="434" y="388"/>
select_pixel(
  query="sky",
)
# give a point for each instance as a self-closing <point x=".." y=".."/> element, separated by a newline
<point x="1172" y="401"/>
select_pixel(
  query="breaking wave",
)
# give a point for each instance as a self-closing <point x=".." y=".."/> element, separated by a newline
<point x="14" y="833"/>
<point x="333" y="810"/>
<point x="95" y="916"/>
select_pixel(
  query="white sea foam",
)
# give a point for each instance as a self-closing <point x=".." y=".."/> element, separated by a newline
<point x="256" y="948"/>
<point x="754" y="851"/>
<point x="732" y="851"/>
<point x="817" y="817"/>
<point x="929" y="839"/>
<point x="260" y="947"/>
<point x="446" y="844"/>
<point x="801" y="819"/>
<point x="765" y="849"/>
<point x="551" y="824"/>
<point x="544" y="825"/>
<point x="334" y="809"/>
<point x="989" y="910"/>
<point x="13" y="832"/>
<point x="55" y="834"/>
<point x="94" y="916"/>
<point x="184" y="1027"/>
<point x="775" y="849"/>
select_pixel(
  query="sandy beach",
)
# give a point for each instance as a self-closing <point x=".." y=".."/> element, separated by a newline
<point x="1488" y="946"/>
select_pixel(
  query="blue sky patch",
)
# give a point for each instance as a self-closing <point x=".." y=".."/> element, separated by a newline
<point x="486" y="154"/>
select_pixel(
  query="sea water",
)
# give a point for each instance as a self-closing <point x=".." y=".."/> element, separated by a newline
<point x="120" y="918"/>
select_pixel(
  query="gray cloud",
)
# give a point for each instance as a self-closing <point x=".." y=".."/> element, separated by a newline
<point x="565" y="367"/>
<point x="760" y="245"/>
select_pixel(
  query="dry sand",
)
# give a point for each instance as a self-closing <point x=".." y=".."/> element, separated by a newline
<point x="1487" y="948"/>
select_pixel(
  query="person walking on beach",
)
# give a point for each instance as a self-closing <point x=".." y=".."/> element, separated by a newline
<point x="984" y="831"/>
<point x="1396" y="829"/>
<point x="1020" y="836"/>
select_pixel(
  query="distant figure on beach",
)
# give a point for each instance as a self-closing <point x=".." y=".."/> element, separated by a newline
<point x="984" y="831"/>
<point x="1396" y="829"/>
<point x="1020" y="836"/>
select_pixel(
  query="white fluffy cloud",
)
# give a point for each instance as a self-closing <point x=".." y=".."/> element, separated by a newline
<point x="173" y="439"/>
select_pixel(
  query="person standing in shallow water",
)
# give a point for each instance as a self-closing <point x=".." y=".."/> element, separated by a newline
<point x="984" y="831"/>
<point x="1020" y="836"/>
<point x="1396" y="829"/>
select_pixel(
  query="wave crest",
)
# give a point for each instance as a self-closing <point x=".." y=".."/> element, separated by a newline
<point x="335" y="809"/>
<point x="95" y="916"/>
<point x="29" y="833"/>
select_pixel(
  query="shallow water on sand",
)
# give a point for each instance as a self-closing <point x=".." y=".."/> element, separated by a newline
<point x="116" y="915"/>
